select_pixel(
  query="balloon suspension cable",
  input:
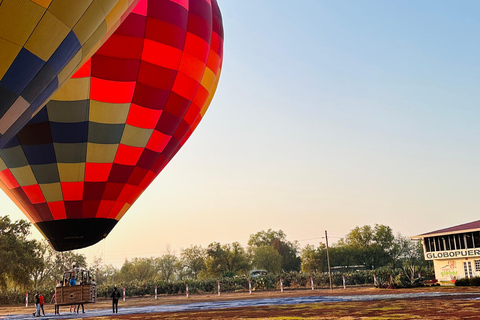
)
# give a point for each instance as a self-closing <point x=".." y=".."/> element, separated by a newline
<point x="104" y="245"/>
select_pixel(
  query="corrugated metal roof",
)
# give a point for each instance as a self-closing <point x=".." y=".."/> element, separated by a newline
<point x="470" y="226"/>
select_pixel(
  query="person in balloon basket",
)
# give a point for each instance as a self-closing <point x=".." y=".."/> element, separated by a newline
<point x="115" y="296"/>
<point x="72" y="281"/>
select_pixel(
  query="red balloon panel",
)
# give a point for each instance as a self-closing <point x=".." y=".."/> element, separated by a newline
<point x="104" y="137"/>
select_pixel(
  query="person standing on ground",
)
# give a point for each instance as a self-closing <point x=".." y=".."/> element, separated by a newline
<point x="54" y="300"/>
<point x="41" y="299"/>
<point x="78" y="308"/>
<point x="115" y="296"/>
<point x="37" y="305"/>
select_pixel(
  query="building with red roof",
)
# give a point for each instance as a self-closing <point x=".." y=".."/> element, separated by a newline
<point x="455" y="251"/>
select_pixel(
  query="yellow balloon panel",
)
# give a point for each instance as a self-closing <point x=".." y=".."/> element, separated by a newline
<point x="47" y="36"/>
<point x="42" y="42"/>
<point x="69" y="11"/>
<point x="7" y="54"/>
<point x="18" y="20"/>
<point x="43" y="3"/>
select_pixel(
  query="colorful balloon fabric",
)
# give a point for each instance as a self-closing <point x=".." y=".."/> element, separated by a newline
<point x="42" y="42"/>
<point x="82" y="161"/>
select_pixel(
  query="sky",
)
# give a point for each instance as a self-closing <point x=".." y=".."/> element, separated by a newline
<point x="328" y="115"/>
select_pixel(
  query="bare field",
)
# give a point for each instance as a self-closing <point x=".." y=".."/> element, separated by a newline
<point x="464" y="303"/>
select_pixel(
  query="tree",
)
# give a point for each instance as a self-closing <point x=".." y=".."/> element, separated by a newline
<point x="383" y="237"/>
<point x="44" y="272"/>
<point x="65" y="261"/>
<point x="53" y="264"/>
<point x="267" y="258"/>
<point x="194" y="259"/>
<point x="267" y="238"/>
<point x="360" y="237"/>
<point x="372" y="247"/>
<point x="278" y="240"/>
<point x="167" y="265"/>
<point x="346" y="256"/>
<point x="96" y="268"/>
<point x="141" y="269"/>
<point x="107" y="274"/>
<point x="227" y="259"/>
<point x="410" y="256"/>
<point x="314" y="259"/>
<point x="18" y="255"/>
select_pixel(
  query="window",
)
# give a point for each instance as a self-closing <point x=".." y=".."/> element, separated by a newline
<point x="451" y="240"/>
<point x="477" y="265"/>
<point x="476" y="239"/>
<point x="446" y="242"/>
<point x="469" y="240"/>
<point x="426" y="241"/>
<point x="467" y="268"/>
<point x="460" y="241"/>
<point x="440" y="244"/>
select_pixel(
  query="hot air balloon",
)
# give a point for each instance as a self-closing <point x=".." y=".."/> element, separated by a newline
<point x="82" y="161"/>
<point x="42" y="42"/>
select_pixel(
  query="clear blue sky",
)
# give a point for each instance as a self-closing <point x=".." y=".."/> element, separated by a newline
<point x="328" y="115"/>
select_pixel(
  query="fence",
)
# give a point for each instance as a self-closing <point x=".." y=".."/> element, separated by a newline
<point x="291" y="280"/>
<point x="285" y="281"/>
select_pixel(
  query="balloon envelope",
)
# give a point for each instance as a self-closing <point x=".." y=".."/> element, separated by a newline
<point x="42" y="42"/>
<point x="81" y="162"/>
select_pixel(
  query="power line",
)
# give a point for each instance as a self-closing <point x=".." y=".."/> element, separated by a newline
<point x="318" y="238"/>
<point x="115" y="257"/>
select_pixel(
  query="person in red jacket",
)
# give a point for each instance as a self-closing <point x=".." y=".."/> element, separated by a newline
<point x="42" y="302"/>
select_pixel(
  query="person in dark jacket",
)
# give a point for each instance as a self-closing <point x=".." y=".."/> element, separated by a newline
<point x="37" y="305"/>
<point x="115" y="296"/>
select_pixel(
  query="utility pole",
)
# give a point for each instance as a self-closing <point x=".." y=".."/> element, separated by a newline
<point x="328" y="262"/>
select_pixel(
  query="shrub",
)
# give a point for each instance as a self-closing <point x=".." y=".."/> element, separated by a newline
<point x="11" y="297"/>
<point x="475" y="281"/>
<point x="386" y="277"/>
<point x="462" y="282"/>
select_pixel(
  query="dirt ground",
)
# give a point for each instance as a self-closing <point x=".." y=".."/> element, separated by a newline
<point x="463" y="306"/>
